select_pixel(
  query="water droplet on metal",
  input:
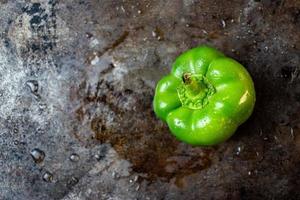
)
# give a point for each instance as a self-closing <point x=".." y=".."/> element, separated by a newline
<point x="74" y="157"/>
<point x="137" y="187"/>
<point x="33" y="86"/>
<point x="115" y="175"/>
<point x="204" y="32"/>
<point x="101" y="154"/>
<point x="73" y="181"/>
<point x="223" y="23"/>
<point x="89" y="191"/>
<point x="239" y="149"/>
<point x="158" y="34"/>
<point x="37" y="155"/>
<point x="123" y="9"/>
<point x="88" y="35"/>
<point x="48" y="177"/>
<point x="292" y="133"/>
<point x="95" y="60"/>
<point x="98" y="157"/>
<point x="42" y="106"/>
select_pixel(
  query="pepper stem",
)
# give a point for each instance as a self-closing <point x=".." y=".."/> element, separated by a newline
<point x="194" y="91"/>
<point x="193" y="84"/>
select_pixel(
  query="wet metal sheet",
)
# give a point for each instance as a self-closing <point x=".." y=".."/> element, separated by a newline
<point x="77" y="80"/>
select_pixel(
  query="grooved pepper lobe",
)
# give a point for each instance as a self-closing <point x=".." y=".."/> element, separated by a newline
<point x="205" y="97"/>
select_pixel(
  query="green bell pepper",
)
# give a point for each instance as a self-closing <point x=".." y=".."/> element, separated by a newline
<point x="205" y="97"/>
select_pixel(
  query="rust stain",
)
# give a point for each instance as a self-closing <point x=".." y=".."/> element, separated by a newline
<point x="141" y="138"/>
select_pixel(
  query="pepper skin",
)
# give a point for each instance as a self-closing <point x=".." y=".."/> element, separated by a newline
<point x="205" y="97"/>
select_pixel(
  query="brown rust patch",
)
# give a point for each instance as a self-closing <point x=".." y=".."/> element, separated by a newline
<point x="156" y="156"/>
<point x="138" y="136"/>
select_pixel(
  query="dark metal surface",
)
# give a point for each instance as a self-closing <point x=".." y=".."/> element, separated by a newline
<point x="76" y="85"/>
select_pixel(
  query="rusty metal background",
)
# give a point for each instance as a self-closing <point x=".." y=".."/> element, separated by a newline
<point x="77" y="79"/>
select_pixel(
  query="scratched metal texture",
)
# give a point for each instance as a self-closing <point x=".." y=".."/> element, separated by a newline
<point x="77" y="79"/>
